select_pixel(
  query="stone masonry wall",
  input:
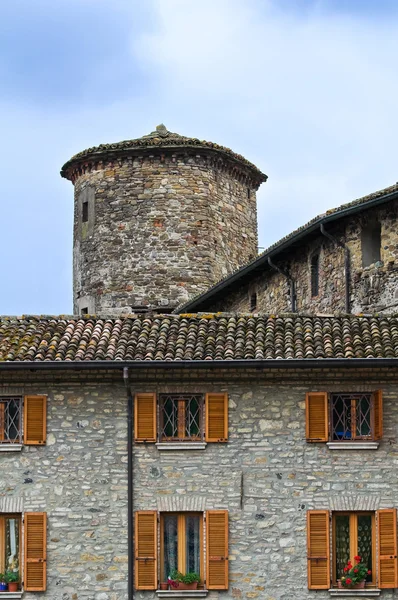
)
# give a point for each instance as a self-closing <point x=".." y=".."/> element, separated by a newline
<point x="373" y="288"/>
<point x="80" y="479"/>
<point x="159" y="229"/>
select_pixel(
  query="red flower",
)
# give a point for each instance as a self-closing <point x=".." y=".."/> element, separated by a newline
<point x="348" y="581"/>
<point x="349" y="564"/>
<point x="346" y="569"/>
<point x="369" y="572"/>
<point x="355" y="570"/>
<point x="357" y="558"/>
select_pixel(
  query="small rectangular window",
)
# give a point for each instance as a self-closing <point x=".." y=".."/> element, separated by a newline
<point x="181" y="417"/>
<point x="315" y="275"/>
<point x="10" y="421"/>
<point x="84" y="311"/>
<point x="351" y="417"/>
<point x="10" y="544"/>
<point x="253" y="302"/>
<point x="371" y="244"/>
<point x="85" y="212"/>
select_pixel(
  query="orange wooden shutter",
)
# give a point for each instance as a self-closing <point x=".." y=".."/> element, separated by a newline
<point x="217" y="549"/>
<point x="35" y="420"/>
<point x="146" y="550"/>
<point x="2" y="423"/>
<point x="216" y="417"/>
<point x="316" y="415"/>
<point x="145" y="417"/>
<point x="318" y="551"/>
<point x="378" y="414"/>
<point x="35" y="550"/>
<point x="387" y="548"/>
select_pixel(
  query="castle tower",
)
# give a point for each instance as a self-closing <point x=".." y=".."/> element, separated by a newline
<point x="157" y="220"/>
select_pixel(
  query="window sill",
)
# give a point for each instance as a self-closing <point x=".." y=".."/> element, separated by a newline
<point x="181" y="445"/>
<point x="182" y="593"/>
<point x="12" y="595"/>
<point x="10" y="448"/>
<point x="352" y="445"/>
<point x="365" y="593"/>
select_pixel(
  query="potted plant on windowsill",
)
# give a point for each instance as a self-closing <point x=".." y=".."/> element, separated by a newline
<point x="354" y="575"/>
<point x="12" y="578"/>
<point x="3" y="583"/>
<point x="184" y="582"/>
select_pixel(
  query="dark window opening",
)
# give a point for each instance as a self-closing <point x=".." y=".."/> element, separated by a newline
<point x="371" y="244"/>
<point x="315" y="275"/>
<point x="253" y="302"/>
<point x="248" y="193"/>
<point x="84" y="311"/>
<point x="85" y="212"/>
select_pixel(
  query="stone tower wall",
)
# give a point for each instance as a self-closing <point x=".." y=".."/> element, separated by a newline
<point x="159" y="229"/>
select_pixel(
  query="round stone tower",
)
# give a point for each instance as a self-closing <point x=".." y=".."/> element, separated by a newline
<point x="157" y="220"/>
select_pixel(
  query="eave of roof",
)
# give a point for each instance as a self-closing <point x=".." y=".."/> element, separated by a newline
<point x="381" y="196"/>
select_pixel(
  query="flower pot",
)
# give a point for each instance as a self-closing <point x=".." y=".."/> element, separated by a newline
<point x="13" y="586"/>
<point x="3" y="587"/>
<point x="357" y="586"/>
<point x="188" y="586"/>
<point x="164" y="586"/>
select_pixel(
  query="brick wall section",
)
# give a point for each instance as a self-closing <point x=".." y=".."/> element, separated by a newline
<point x="267" y="476"/>
<point x="373" y="288"/>
<point x="160" y="229"/>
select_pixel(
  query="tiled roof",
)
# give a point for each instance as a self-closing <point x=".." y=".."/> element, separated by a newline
<point x="160" y="138"/>
<point x="197" y="338"/>
<point x="195" y="303"/>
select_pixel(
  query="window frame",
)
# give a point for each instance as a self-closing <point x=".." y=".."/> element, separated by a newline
<point x="354" y="437"/>
<point x="4" y="400"/>
<point x="181" y="544"/>
<point x="353" y="515"/>
<point x="3" y="566"/>
<point x="181" y="398"/>
<point x="315" y="260"/>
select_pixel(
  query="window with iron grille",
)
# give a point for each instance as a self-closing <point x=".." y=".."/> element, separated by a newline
<point x="181" y="417"/>
<point x="352" y="417"/>
<point x="10" y="420"/>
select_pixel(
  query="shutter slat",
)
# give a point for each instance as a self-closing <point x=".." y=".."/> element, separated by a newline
<point x="146" y="550"/>
<point x="35" y="420"/>
<point x="378" y="414"/>
<point x="316" y="414"/>
<point x="35" y="549"/>
<point x="216" y="417"/>
<point x="387" y="548"/>
<point x="318" y="552"/>
<point x="217" y="549"/>
<point x="145" y="417"/>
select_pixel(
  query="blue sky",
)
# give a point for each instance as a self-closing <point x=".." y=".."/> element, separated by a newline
<point x="305" y="89"/>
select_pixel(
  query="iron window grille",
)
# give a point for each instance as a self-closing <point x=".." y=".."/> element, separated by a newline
<point x="181" y="417"/>
<point x="10" y="420"/>
<point x="352" y="417"/>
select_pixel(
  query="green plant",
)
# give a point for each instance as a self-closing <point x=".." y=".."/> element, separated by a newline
<point x="2" y="578"/>
<point x="11" y="576"/>
<point x="354" y="574"/>
<point x="187" y="579"/>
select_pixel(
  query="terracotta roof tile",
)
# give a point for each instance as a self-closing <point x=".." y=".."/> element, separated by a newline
<point x="197" y="337"/>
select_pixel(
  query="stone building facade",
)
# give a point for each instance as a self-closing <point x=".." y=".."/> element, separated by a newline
<point x="157" y="220"/>
<point x="362" y="251"/>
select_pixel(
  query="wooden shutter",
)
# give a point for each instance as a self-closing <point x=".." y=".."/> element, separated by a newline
<point x="318" y="550"/>
<point x="145" y="417"/>
<point x="217" y="549"/>
<point x="387" y="548"/>
<point x="216" y="417"/>
<point x="35" y="420"/>
<point x="316" y="415"/>
<point x="2" y="423"/>
<point x="35" y="551"/>
<point x="146" y="550"/>
<point x="378" y="414"/>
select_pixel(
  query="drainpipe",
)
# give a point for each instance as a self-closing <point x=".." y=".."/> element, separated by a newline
<point x="347" y="262"/>
<point x="130" y="534"/>
<point x="291" y="281"/>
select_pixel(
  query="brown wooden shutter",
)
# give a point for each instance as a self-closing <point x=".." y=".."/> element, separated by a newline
<point x="35" y="550"/>
<point x="146" y="550"/>
<point x="216" y="417"/>
<point x="2" y="411"/>
<point x="378" y="414"/>
<point x="387" y="548"/>
<point x="145" y="417"/>
<point x="316" y="414"/>
<point x="318" y="550"/>
<point x="217" y="549"/>
<point x="35" y="420"/>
